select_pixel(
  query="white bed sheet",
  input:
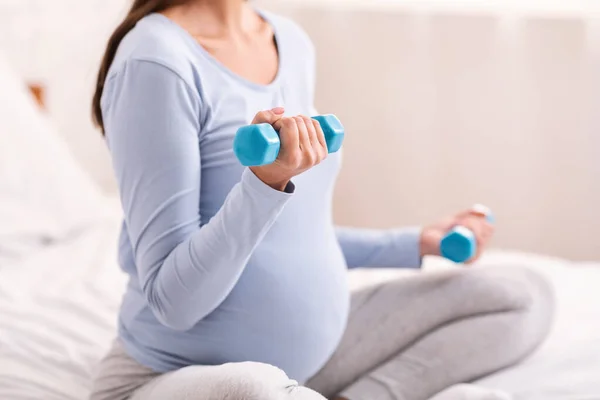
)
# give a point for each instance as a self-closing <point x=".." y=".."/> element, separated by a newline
<point x="58" y="316"/>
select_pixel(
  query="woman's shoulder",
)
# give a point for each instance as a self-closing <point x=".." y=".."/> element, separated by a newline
<point x="156" y="39"/>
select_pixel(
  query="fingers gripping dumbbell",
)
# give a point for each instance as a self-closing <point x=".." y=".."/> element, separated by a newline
<point x="460" y="244"/>
<point x="259" y="144"/>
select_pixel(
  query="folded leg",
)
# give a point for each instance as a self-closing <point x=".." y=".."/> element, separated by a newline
<point x="411" y="338"/>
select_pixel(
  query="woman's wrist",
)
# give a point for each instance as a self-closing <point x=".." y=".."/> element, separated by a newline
<point x="429" y="243"/>
<point x="273" y="182"/>
<point x="276" y="183"/>
<point x="281" y="186"/>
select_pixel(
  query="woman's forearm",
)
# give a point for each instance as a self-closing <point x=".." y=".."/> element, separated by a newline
<point x="371" y="248"/>
<point x="202" y="270"/>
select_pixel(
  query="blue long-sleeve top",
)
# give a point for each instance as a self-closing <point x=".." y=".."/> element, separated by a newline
<point x="222" y="267"/>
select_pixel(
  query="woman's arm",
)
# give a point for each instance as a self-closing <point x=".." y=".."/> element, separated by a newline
<point x="406" y="247"/>
<point x="152" y="119"/>
<point x="370" y="248"/>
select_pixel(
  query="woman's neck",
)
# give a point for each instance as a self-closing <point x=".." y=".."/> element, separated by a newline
<point x="214" y="19"/>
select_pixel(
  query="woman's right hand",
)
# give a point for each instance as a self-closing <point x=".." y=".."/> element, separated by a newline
<point x="302" y="147"/>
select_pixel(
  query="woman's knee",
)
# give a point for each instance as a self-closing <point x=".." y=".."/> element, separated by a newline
<point x="509" y="288"/>
<point x="526" y="295"/>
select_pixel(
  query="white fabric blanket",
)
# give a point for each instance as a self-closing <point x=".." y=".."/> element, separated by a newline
<point x="58" y="314"/>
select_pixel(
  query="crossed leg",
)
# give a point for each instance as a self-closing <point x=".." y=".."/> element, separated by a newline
<point x="411" y="338"/>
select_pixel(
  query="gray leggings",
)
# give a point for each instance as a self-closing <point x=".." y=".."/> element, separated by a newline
<point x="407" y="339"/>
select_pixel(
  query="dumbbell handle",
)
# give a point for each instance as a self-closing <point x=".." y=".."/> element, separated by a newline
<point x="259" y="144"/>
<point x="460" y="244"/>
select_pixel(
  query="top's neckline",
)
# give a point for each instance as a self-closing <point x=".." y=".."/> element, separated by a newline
<point x="218" y="64"/>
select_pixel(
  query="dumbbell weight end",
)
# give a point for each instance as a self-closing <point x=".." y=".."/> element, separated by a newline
<point x="460" y="244"/>
<point x="256" y="145"/>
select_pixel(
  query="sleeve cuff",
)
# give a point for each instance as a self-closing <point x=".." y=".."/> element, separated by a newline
<point x="407" y="243"/>
<point x="252" y="182"/>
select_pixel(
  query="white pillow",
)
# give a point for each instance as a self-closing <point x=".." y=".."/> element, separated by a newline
<point x="44" y="193"/>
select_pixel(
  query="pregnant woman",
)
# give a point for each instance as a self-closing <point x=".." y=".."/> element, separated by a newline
<point x="237" y="283"/>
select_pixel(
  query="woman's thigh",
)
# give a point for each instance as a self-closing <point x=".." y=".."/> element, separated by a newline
<point x="118" y="375"/>
<point x="391" y="317"/>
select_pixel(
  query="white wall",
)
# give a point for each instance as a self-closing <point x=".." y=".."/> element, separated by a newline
<point x="442" y="109"/>
<point x="447" y="106"/>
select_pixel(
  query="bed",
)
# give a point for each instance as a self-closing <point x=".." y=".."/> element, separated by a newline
<point x="60" y="286"/>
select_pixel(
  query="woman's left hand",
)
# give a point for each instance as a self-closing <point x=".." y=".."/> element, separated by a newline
<point x="471" y="219"/>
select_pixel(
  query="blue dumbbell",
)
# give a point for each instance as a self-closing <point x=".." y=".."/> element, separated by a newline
<point x="259" y="144"/>
<point x="460" y="244"/>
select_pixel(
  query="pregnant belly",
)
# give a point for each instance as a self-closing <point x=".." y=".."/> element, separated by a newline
<point x="289" y="313"/>
<point x="289" y="309"/>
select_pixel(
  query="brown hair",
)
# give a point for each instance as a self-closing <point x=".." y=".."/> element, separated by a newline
<point x="139" y="9"/>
